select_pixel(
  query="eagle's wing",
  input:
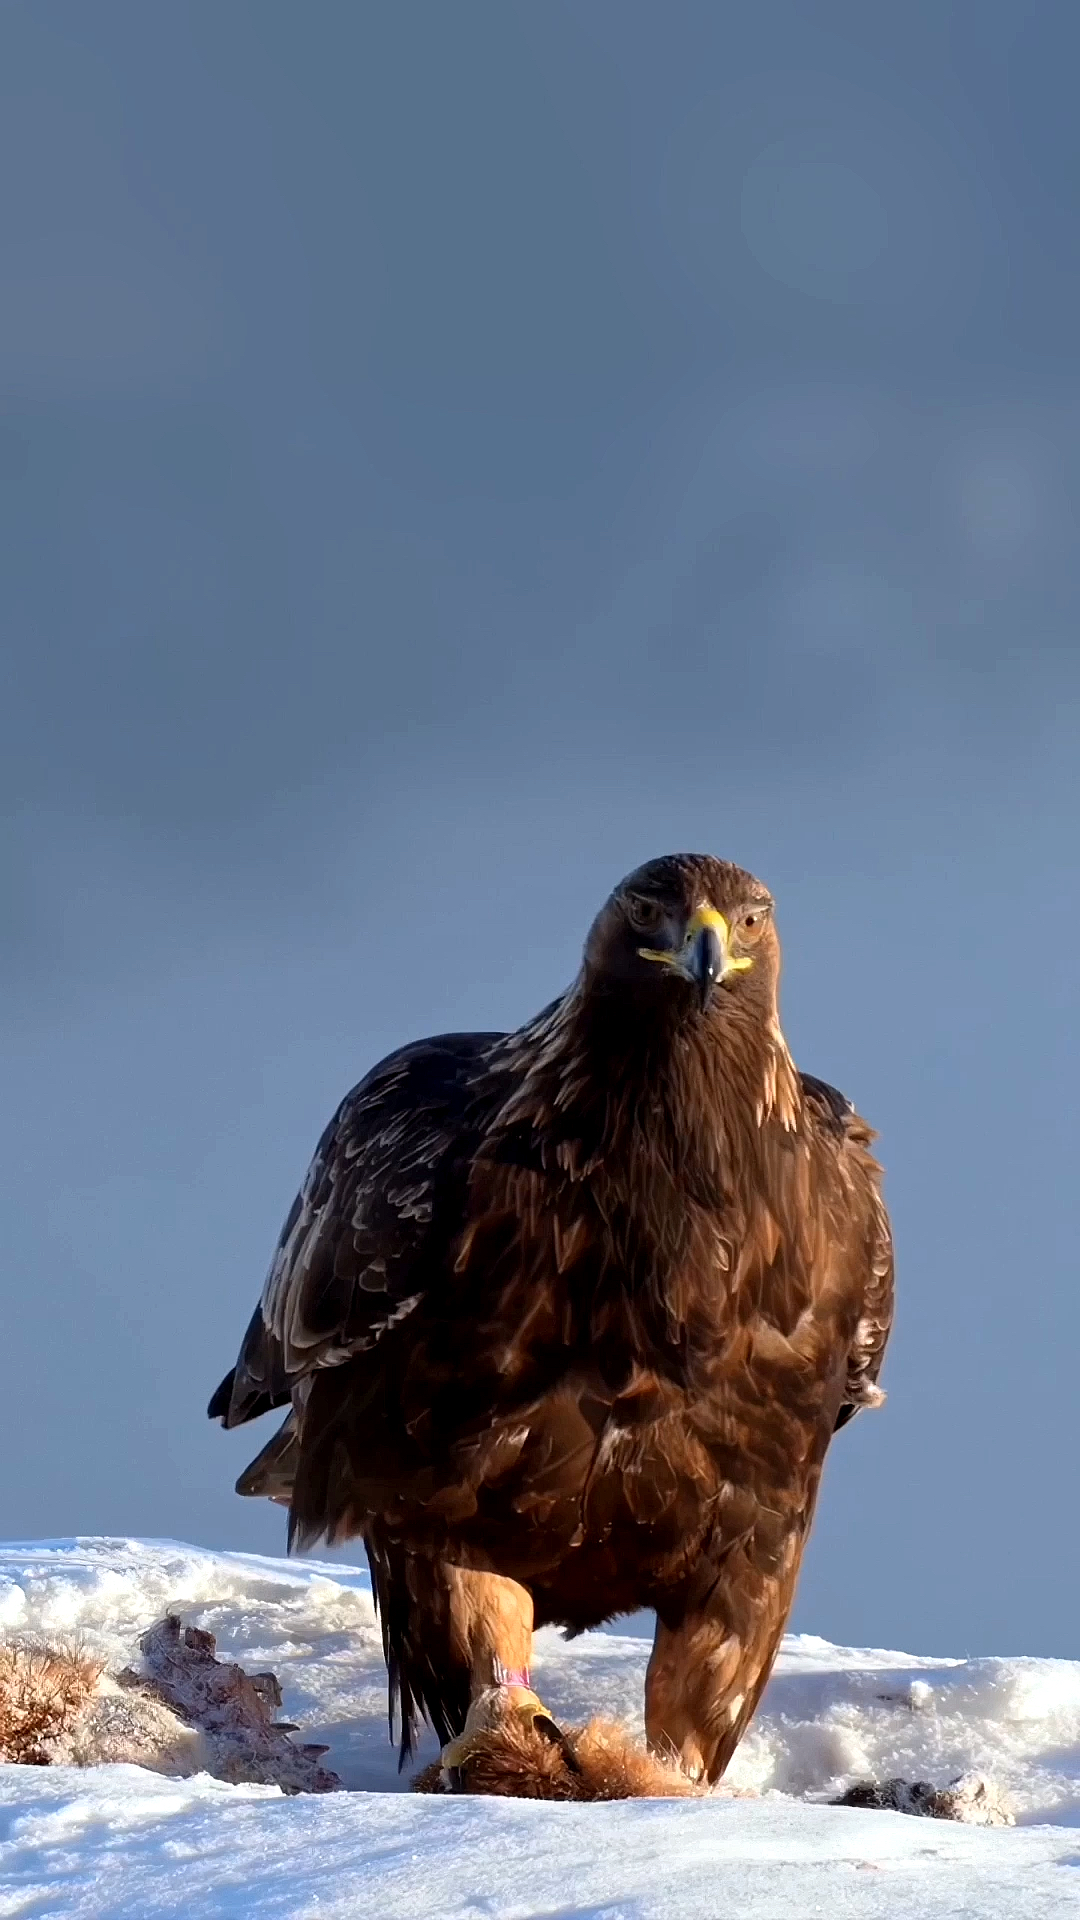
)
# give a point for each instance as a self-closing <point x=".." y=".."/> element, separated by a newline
<point x="853" y="1137"/>
<point x="350" y="1260"/>
<point x="875" y="1322"/>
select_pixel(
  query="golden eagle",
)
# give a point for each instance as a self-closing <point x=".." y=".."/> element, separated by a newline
<point x="566" y="1318"/>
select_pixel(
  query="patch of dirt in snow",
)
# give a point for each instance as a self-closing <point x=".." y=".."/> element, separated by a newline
<point x="181" y="1712"/>
<point x="971" y="1799"/>
<point x="312" y="1624"/>
<point x="836" y="1718"/>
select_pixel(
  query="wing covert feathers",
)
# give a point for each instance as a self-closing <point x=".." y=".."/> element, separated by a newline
<point x="349" y="1262"/>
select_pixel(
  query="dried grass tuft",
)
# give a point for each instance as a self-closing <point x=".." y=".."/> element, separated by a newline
<point x="43" y="1688"/>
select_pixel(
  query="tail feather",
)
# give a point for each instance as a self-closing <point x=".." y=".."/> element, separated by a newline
<point x="427" y="1661"/>
<point x="257" y="1383"/>
<point x="427" y="1665"/>
<point x="222" y="1400"/>
<point x="273" y="1471"/>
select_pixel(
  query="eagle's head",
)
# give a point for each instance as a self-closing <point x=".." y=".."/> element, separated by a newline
<point x="684" y="933"/>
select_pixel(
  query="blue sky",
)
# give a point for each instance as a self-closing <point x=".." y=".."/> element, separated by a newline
<point x="447" y="456"/>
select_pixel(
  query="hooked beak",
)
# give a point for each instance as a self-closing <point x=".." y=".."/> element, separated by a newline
<point x="706" y="961"/>
<point x="705" y="957"/>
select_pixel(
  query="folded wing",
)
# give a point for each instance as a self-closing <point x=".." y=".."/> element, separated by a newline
<point x="384" y="1189"/>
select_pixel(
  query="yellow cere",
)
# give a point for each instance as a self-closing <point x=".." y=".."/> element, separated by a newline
<point x="706" y="916"/>
<point x="703" y="916"/>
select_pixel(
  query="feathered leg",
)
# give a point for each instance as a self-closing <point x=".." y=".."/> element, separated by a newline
<point x="493" y="1622"/>
<point x="707" y="1674"/>
<point x="494" y="1626"/>
<point x="457" y="1644"/>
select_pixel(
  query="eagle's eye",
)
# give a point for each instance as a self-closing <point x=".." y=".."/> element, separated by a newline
<point x="644" y="915"/>
<point x="751" y="924"/>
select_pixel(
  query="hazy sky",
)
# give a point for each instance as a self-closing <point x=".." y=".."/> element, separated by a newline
<point x="449" y="454"/>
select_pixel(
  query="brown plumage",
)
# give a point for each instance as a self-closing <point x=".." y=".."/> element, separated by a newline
<point x="581" y="1306"/>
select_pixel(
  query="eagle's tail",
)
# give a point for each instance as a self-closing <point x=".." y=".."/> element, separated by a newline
<point x="426" y="1660"/>
<point x="272" y="1473"/>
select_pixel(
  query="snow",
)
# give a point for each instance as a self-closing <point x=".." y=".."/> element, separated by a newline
<point x="129" y="1844"/>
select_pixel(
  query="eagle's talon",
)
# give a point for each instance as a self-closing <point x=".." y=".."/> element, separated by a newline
<point x="550" y="1729"/>
<point x="496" y="1707"/>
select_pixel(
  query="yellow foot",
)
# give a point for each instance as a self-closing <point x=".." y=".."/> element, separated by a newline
<point x="509" y="1712"/>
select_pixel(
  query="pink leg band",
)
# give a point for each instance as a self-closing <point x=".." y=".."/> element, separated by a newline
<point x="511" y="1676"/>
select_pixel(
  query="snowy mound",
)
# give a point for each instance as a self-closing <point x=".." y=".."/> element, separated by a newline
<point x="121" y="1841"/>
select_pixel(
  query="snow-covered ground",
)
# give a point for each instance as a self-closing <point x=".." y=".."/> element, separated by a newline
<point x="123" y="1842"/>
